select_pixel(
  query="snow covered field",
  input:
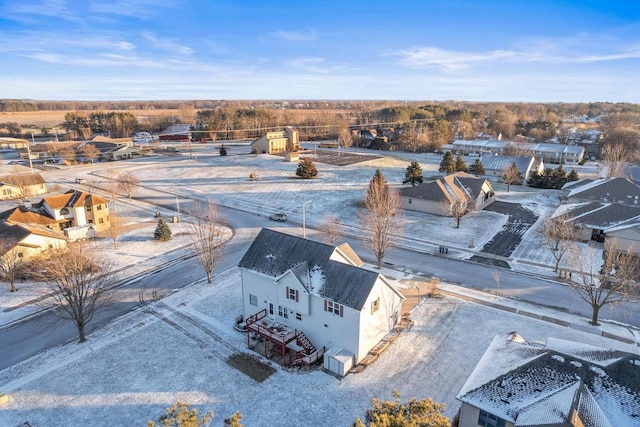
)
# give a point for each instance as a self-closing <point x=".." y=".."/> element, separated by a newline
<point x="177" y="348"/>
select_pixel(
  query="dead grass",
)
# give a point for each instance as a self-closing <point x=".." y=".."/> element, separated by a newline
<point x="251" y="366"/>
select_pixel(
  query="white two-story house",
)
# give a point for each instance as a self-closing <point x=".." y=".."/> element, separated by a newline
<point x="319" y="291"/>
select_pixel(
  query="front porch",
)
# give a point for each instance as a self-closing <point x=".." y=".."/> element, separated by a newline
<point x="274" y="339"/>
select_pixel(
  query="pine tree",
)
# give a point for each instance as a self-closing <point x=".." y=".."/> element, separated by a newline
<point x="413" y="175"/>
<point x="163" y="232"/>
<point x="573" y="176"/>
<point x="461" y="166"/>
<point x="223" y="150"/>
<point x="447" y="165"/>
<point x="477" y="168"/>
<point x="306" y="169"/>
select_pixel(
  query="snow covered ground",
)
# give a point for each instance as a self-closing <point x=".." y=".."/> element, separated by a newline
<point x="177" y="348"/>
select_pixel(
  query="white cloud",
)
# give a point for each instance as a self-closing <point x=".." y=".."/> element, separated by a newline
<point x="295" y="36"/>
<point x="168" y="44"/>
<point x="433" y="57"/>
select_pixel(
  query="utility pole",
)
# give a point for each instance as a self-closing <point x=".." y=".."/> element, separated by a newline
<point x="177" y="210"/>
<point x="29" y="151"/>
<point x="304" y="228"/>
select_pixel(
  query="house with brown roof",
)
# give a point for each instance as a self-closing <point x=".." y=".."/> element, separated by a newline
<point x="22" y="186"/>
<point x="63" y="211"/>
<point x="76" y="208"/>
<point x="438" y="197"/>
<point x="30" y="240"/>
<point x="559" y="384"/>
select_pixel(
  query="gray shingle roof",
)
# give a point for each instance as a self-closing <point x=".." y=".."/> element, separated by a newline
<point x="601" y="384"/>
<point x="273" y="253"/>
<point x="601" y="215"/>
<point x="502" y="163"/>
<point x="608" y="190"/>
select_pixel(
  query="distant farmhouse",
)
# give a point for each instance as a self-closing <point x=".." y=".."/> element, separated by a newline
<point x="22" y="186"/>
<point x="548" y="153"/>
<point x="560" y="384"/>
<point x="177" y="132"/>
<point x="307" y="300"/>
<point x="438" y="197"/>
<point x="277" y="142"/>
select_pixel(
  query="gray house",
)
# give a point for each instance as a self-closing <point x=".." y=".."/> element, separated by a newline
<point x="497" y="165"/>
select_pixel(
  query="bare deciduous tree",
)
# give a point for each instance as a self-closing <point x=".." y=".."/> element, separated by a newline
<point x="613" y="158"/>
<point x="345" y="137"/>
<point x="207" y="236"/>
<point x="12" y="261"/>
<point x="22" y="185"/>
<point x="607" y="281"/>
<point x="90" y="151"/>
<point x="116" y="226"/>
<point x="330" y="227"/>
<point x="380" y="217"/>
<point x="559" y="236"/>
<point x="79" y="282"/>
<point x="458" y="209"/>
<point x="111" y="186"/>
<point x="128" y="183"/>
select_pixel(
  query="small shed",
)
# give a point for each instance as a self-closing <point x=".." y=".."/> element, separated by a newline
<point x="338" y="361"/>
<point x="291" y="157"/>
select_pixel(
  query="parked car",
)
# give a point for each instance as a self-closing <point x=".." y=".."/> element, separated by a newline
<point x="278" y="217"/>
<point x="80" y="181"/>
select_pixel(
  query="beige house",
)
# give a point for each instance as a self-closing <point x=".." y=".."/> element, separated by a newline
<point x="22" y="186"/>
<point x="30" y="240"/>
<point x="558" y="384"/>
<point x="439" y="197"/>
<point x="57" y="213"/>
<point x="625" y="237"/>
<point x="277" y="142"/>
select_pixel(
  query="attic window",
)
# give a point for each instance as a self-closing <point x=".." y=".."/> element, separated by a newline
<point x="375" y="305"/>
<point x="292" y="294"/>
<point x="333" y="307"/>
<point x="64" y="211"/>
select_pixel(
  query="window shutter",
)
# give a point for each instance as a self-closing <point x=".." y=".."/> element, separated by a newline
<point x="287" y="294"/>
<point x="325" y="305"/>
<point x="297" y="295"/>
<point x="341" y="310"/>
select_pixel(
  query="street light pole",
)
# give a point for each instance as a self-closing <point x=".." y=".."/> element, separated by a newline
<point x="304" y="228"/>
<point x="29" y="151"/>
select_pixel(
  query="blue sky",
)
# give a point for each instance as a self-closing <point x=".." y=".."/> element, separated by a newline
<point x="507" y="51"/>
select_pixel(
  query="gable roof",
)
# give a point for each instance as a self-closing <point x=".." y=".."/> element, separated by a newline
<point x="599" y="215"/>
<point x="73" y="199"/>
<point x="273" y="254"/>
<point x="24" y="179"/>
<point x="612" y="190"/>
<point x="502" y="163"/>
<point x="23" y="215"/>
<point x="452" y="188"/>
<point x="599" y="384"/>
<point x="19" y="232"/>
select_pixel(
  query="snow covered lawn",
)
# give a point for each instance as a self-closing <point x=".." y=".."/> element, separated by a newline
<point x="177" y="349"/>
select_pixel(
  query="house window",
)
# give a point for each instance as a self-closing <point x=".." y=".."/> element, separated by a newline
<point x="298" y="316"/>
<point x="100" y="220"/>
<point x="6" y="191"/>
<point x="409" y="201"/>
<point x="90" y="221"/>
<point x="253" y="300"/>
<point x="486" y="419"/>
<point x="20" y="255"/>
<point x="99" y="207"/>
<point x="292" y="294"/>
<point x="333" y="307"/>
<point x="64" y="211"/>
<point x="282" y="312"/>
<point x="88" y="208"/>
<point x="271" y="308"/>
<point x="375" y="305"/>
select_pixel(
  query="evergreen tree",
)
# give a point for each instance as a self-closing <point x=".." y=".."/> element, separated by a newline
<point x="461" y="166"/>
<point x="163" y="232"/>
<point x="477" y="168"/>
<point x="413" y="175"/>
<point x="573" y="176"/>
<point x="306" y="169"/>
<point x="223" y="150"/>
<point x="447" y="165"/>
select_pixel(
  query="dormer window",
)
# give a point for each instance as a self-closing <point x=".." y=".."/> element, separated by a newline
<point x="64" y="211"/>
